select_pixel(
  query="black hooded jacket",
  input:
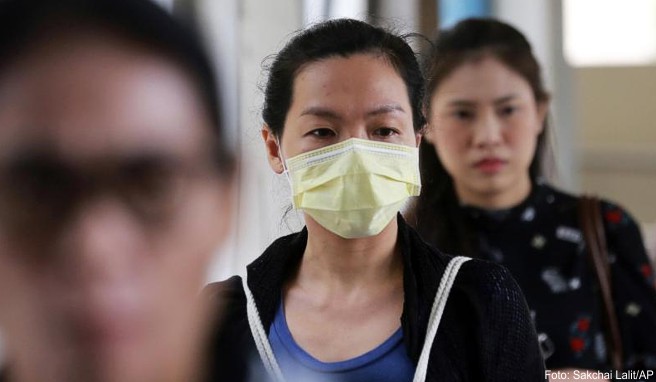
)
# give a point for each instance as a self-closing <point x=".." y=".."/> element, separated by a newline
<point x="486" y="332"/>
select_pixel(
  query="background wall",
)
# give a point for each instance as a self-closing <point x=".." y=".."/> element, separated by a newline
<point x="617" y="111"/>
<point x="618" y="139"/>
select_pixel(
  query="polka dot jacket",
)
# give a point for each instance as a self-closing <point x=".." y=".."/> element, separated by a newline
<point x="542" y="245"/>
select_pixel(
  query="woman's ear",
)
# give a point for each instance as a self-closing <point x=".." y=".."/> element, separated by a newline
<point x="425" y="130"/>
<point x="428" y="132"/>
<point x="272" y="149"/>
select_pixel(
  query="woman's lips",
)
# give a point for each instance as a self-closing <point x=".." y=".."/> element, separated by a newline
<point x="490" y="165"/>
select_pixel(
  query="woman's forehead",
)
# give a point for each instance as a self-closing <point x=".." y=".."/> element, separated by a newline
<point x="363" y="81"/>
<point x="485" y="79"/>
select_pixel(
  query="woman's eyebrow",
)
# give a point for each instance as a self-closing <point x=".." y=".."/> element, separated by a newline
<point x="505" y="99"/>
<point x="461" y="102"/>
<point x="320" y="111"/>
<point x="324" y="112"/>
<point x="468" y="103"/>
<point x="384" y="109"/>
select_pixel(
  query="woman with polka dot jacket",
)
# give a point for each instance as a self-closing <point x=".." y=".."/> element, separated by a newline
<point x="483" y="196"/>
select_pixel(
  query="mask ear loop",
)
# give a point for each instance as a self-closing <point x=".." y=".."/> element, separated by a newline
<point x="285" y="169"/>
<point x="282" y="157"/>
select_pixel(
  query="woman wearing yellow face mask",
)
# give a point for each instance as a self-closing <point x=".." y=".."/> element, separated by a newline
<point x="357" y="295"/>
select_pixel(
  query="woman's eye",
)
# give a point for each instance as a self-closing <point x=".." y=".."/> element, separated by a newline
<point x="508" y="110"/>
<point x="463" y="114"/>
<point x="322" y="133"/>
<point x="385" y="132"/>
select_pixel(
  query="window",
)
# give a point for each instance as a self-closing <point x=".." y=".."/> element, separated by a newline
<point x="609" y="32"/>
<point x="452" y="11"/>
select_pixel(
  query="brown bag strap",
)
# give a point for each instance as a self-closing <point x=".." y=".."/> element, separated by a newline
<point x="595" y="239"/>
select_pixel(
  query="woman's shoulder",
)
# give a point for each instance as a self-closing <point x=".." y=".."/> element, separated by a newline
<point x="481" y="278"/>
<point x="487" y="312"/>
<point x="566" y="202"/>
<point x="616" y="217"/>
<point x="623" y="235"/>
<point x="617" y="220"/>
<point x="488" y="291"/>
<point x="230" y="344"/>
<point x="624" y="241"/>
<point x="489" y="283"/>
<point x="227" y="298"/>
<point x="230" y="288"/>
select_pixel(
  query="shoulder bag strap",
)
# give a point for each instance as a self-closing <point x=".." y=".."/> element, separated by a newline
<point x="260" y="336"/>
<point x="439" y="303"/>
<point x="595" y="239"/>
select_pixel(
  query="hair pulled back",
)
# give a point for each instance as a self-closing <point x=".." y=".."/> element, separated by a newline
<point x="338" y="38"/>
<point x="436" y="213"/>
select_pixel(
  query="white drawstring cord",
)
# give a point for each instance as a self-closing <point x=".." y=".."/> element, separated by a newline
<point x="441" y="297"/>
<point x="260" y="336"/>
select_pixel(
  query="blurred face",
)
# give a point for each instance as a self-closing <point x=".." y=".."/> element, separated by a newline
<point x="484" y="122"/>
<point x="335" y="99"/>
<point x="110" y="210"/>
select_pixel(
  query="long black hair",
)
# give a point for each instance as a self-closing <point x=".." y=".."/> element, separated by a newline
<point x="436" y="213"/>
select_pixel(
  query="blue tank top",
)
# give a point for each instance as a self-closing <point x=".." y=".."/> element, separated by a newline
<point x="388" y="362"/>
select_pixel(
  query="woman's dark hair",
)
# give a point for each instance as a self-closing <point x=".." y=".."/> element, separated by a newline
<point x="25" y="23"/>
<point x="338" y="38"/>
<point x="436" y="212"/>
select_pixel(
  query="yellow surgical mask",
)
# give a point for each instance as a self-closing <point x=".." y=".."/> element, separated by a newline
<point x="356" y="187"/>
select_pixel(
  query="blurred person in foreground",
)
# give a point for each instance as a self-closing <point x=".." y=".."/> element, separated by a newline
<point x="113" y="184"/>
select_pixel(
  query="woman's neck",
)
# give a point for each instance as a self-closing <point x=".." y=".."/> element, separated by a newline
<point x="495" y="199"/>
<point x="337" y="263"/>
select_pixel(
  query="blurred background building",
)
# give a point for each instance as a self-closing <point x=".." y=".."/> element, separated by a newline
<point x="599" y="59"/>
